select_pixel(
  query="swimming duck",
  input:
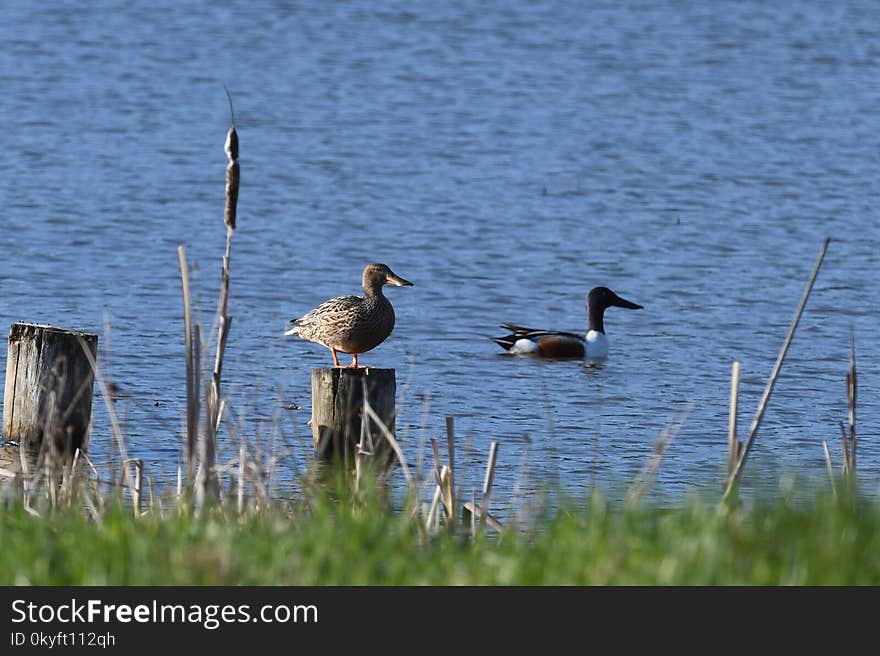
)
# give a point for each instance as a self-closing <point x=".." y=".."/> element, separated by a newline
<point x="352" y="324"/>
<point x="557" y="344"/>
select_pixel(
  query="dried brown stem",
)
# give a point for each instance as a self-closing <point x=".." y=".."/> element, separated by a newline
<point x="829" y="467"/>
<point x="476" y="511"/>
<point x="851" y="389"/>
<point x="192" y="373"/>
<point x="393" y="442"/>
<point x="768" y="390"/>
<point x="450" y="446"/>
<point x="207" y="480"/>
<point x="732" y="441"/>
<point x="487" y="482"/>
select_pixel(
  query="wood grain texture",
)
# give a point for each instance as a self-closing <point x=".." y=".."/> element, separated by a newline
<point x="49" y="386"/>
<point x="337" y="410"/>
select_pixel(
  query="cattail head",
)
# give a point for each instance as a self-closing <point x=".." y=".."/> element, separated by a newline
<point x="231" y="146"/>
<point x="232" y="178"/>
<point x="232" y="169"/>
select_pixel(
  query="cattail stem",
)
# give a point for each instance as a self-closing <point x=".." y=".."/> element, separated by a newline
<point x="192" y="373"/>
<point x="208" y="483"/>
<point x="137" y="491"/>
<point x="851" y="389"/>
<point x="487" y="482"/>
<point x="829" y="467"/>
<point x="768" y="390"/>
<point x="450" y="446"/>
<point x="391" y="441"/>
<point x="732" y="441"/>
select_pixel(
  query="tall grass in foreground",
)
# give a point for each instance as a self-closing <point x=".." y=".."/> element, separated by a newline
<point x="828" y="540"/>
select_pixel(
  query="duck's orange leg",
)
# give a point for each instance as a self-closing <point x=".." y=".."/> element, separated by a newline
<point x="354" y="362"/>
<point x="335" y="359"/>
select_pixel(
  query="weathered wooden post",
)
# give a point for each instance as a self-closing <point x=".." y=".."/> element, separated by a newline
<point x="338" y="411"/>
<point x="49" y="386"/>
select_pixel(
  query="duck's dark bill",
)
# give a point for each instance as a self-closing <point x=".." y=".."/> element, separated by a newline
<point x="398" y="281"/>
<point x="629" y="305"/>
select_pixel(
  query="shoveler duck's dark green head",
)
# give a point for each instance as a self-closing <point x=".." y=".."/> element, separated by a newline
<point x="598" y="300"/>
<point x="376" y="275"/>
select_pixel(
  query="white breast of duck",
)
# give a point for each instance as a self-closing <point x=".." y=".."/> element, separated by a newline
<point x="596" y="345"/>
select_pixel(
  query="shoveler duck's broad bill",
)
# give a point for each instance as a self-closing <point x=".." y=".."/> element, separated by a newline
<point x="352" y="324"/>
<point x="558" y="344"/>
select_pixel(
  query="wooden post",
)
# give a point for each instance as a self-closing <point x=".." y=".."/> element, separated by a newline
<point x="49" y="386"/>
<point x="337" y="411"/>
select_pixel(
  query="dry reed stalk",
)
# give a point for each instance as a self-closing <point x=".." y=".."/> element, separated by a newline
<point x="649" y="472"/>
<point x="358" y="461"/>
<point x="137" y="491"/>
<point x="67" y="475"/>
<point x="487" y="481"/>
<point x="732" y="441"/>
<point x="844" y="449"/>
<point x="92" y="510"/>
<point x="196" y="386"/>
<point x="423" y="430"/>
<point x="476" y="511"/>
<point x="99" y="509"/>
<point x="446" y="484"/>
<point x="208" y="485"/>
<point x="768" y="390"/>
<point x="448" y="495"/>
<point x="50" y="466"/>
<point x="851" y="389"/>
<point x="25" y="474"/>
<point x="450" y="447"/>
<point x="436" y="453"/>
<point x="258" y="483"/>
<point x="220" y="414"/>
<point x="442" y="482"/>
<point x="241" y="473"/>
<point x="435" y="526"/>
<point x="473" y="514"/>
<point x="192" y="373"/>
<point x="433" y="519"/>
<point x="393" y="442"/>
<point x="363" y="440"/>
<point x="152" y="507"/>
<point x="829" y="467"/>
<point x="116" y="430"/>
<point x="179" y="489"/>
<point x="432" y="509"/>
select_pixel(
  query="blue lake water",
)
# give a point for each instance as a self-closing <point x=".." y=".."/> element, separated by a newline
<point x="505" y="157"/>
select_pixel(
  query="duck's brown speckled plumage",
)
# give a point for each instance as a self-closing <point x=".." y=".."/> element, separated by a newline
<point x="352" y="324"/>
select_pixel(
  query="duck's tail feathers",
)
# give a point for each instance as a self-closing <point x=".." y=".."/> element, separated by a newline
<point x="517" y="329"/>
<point x="505" y="342"/>
<point x="534" y="334"/>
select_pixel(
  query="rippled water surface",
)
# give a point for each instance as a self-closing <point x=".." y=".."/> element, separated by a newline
<point x="506" y="157"/>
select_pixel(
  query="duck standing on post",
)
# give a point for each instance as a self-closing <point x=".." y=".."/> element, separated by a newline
<point x="352" y="324"/>
<point x="557" y="344"/>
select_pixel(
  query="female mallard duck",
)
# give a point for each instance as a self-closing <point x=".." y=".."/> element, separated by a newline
<point x="557" y="344"/>
<point x="351" y="324"/>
